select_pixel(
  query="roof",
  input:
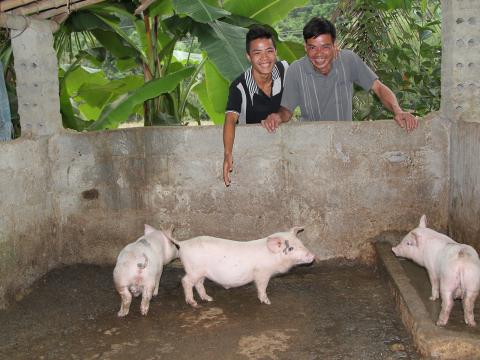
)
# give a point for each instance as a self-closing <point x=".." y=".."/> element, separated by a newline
<point x="56" y="10"/>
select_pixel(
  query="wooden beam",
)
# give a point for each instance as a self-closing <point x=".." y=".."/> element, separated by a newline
<point x="64" y="9"/>
<point x="39" y="6"/>
<point x="10" y="4"/>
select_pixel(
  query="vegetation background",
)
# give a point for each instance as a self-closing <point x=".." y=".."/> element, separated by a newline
<point x="172" y="64"/>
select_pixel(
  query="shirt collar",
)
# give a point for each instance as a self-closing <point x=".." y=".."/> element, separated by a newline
<point x="253" y="87"/>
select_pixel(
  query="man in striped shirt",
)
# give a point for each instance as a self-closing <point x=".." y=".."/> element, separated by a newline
<point x="254" y="94"/>
<point x="322" y="85"/>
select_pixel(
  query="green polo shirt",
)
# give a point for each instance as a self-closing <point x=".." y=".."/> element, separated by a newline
<point x="326" y="97"/>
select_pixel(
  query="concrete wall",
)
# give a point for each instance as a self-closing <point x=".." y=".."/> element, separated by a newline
<point x="81" y="197"/>
<point x="29" y="245"/>
<point x="70" y="197"/>
<point x="460" y="103"/>
<point x="464" y="210"/>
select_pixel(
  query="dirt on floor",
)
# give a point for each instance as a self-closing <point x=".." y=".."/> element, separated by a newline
<point x="327" y="311"/>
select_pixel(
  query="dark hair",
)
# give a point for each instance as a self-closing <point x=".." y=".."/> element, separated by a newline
<point x="258" y="32"/>
<point x="319" y="26"/>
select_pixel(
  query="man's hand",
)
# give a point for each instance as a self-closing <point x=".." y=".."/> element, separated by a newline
<point x="406" y="120"/>
<point x="227" y="168"/>
<point x="272" y="122"/>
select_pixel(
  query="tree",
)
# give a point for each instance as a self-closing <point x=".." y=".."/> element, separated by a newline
<point x="401" y="41"/>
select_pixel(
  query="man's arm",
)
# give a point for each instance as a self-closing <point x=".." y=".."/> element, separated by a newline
<point x="273" y="121"/>
<point x="228" y="139"/>
<point x="404" y="119"/>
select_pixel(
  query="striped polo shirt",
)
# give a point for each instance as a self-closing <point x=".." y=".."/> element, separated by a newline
<point x="250" y="103"/>
<point x="326" y="97"/>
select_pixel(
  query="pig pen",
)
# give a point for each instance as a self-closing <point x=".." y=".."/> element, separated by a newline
<point x="344" y="182"/>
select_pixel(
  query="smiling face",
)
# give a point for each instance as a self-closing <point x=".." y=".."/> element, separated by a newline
<point x="320" y="51"/>
<point x="262" y="55"/>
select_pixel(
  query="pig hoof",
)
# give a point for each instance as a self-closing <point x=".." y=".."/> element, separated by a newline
<point x="122" y="313"/>
<point x="471" y="323"/>
<point x="265" y="301"/>
<point x="144" y="311"/>
<point x="192" y="303"/>
<point x="441" y="323"/>
<point x="207" y="298"/>
<point x="433" y="298"/>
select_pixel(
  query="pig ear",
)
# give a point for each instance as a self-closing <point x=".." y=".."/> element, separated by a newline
<point x="414" y="238"/>
<point x="296" y="229"/>
<point x="423" y="221"/>
<point x="149" y="229"/>
<point x="274" y="244"/>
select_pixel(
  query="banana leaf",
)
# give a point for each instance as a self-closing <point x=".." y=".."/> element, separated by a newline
<point x="112" y="116"/>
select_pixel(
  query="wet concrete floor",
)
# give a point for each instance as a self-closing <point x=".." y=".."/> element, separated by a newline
<point x="327" y="311"/>
<point x="419" y="279"/>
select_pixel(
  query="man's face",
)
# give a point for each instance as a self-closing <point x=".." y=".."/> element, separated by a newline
<point x="262" y="56"/>
<point x="320" y="51"/>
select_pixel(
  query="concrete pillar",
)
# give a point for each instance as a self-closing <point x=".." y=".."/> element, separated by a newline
<point x="36" y="69"/>
<point x="461" y="60"/>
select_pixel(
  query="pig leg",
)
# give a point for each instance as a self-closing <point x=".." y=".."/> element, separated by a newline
<point x="447" y="305"/>
<point x="157" y="282"/>
<point x="146" y="297"/>
<point x="201" y="290"/>
<point x="187" y="284"/>
<point x="261" y="283"/>
<point x="126" y="300"/>
<point x="468" y="304"/>
<point x="435" y="286"/>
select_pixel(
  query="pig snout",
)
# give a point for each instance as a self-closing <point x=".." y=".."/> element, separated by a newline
<point x="395" y="250"/>
<point x="305" y="257"/>
<point x="309" y="257"/>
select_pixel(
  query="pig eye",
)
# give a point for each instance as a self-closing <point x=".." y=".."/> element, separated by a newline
<point x="290" y="248"/>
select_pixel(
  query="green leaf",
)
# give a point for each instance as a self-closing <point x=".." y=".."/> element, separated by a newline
<point x="217" y="87"/>
<point x="80" y="75"/>
<point x="66" y="107"/>
<point x="225" y="46"/>
<point x="193" y="111"/>
<point x="111" y="117"/>
<point x="215" y="116"/>
<point x="199" y="10"/>
<point x="125" y="64"/>
<point x="398" y="4"/>
<point x="263" y="11"/>
<point x="114" y="43"/>
<point x="97" y="94"/>
<point x="290" y="51"/>
<point x="160" y="8"/>
<point x="85" y="21"/>
<point x="96" y="56"/>
<point x="118" y="30"/>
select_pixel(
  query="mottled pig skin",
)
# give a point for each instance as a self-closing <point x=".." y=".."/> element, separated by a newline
<point x="236" y="263"/>
<point x="453" y="268"/>
<point x="140" y="265"/>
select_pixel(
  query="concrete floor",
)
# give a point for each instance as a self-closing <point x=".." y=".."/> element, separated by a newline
<point x="327" y="311"/>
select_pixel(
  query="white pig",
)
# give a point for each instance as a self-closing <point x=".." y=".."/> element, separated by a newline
<point x="139" y="267"/>
<point x="453" y="268"/>
<point x="236" y="263"/>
